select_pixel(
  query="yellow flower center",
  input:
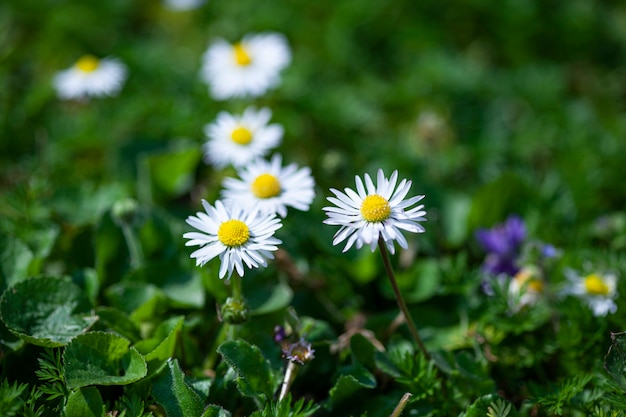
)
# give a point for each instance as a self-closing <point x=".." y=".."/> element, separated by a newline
<point x="375" y="208"/>
<point x="241" y="135"/>
<point x="233" y="233"/>
<point x="242" y="58"/>
<point x="87" y="63"/>
<point x="266" y="186"/>
<point x="526" y="277"/>
<point x="595" y="285"/>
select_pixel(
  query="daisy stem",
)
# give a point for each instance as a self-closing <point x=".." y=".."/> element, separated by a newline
<point x="134" y="247"/>
<point x="401" y="303"/>
<point x="235" y="287"/>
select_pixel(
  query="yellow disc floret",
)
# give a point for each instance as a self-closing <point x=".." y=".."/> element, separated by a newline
<point x="233" y="233"/>
<point x="266" y="186"/>
<point x="241" y="135"/>
<point x="87" y="63"/>
<point x="595" y="285"/>
<point x="375" y="208"/>
<point x="242" y="58"/>
<point x="527" y="277"/>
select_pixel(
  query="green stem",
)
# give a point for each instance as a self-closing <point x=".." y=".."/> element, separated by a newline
<point x="401" y="303"/>
<point x="134" y="247"/>
<point x="235" y="284"/>
<point x="400" y="407"/>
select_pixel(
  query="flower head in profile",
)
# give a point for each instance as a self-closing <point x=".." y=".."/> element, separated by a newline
<point x="239" y="139"/>
<point x="503" y="244"/>
<point x="247" y="68"/>
<point x="375" y="211"/>
<point x="270" y="187"/>
<point x="299" y="352"/>
<point x="597" y="290"/>
<point x="90" y="77"/>
<point x="525" y="287"/>
<point x="237" y="236"/>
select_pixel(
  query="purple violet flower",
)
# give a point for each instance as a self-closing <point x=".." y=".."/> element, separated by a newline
<point x="502" y="243"/>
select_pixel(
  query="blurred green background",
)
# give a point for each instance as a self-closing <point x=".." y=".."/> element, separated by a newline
<point x="490" y="108"/>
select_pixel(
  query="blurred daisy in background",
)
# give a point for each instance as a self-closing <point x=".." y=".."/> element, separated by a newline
<point x="270" y="187"/>
<point x="525" y="287"/>
<point x="597" y="290"/>
<point x="375" y="211"/>
<point x="239" y="139"/>
<point x="235" y="235"/>
<point x="90" y="77"/>
<point x="247" y="68"/>
<point x="182" y="5"/>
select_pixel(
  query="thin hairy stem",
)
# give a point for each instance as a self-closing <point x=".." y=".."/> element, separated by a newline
<point x="401" y="303"/>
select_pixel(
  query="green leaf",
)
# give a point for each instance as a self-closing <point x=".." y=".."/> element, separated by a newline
<point x="271" y="298"/>
<point x="172" y="170"/>
<point x="140" y="300"/>
<point x="15" y="258"/>
<point x="352" y="379"/>
<point x="615" y="359"/>
<point x="487" y="404"/>
<point x="215" y="411"/>
<point x="254" y="376"/>
<point x="173" y="394"/>
<point x="113" y="319"/>
<point x="99" y="358"/>
<point x="510" y="188"/>
<point x="84" y="402"/>
<point x="162" y="344"/>
<point x="421" y="282"/>
<point x="46" y="311"/>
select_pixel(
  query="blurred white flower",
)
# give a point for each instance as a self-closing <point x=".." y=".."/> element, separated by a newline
<point x="90" y="77"/>
<point x="598" y="291"/>
<point x="239" y="139"/>
<point x="182" y="5"/>
<point x="246" y="69"/>
<point x="525" y="287"/>
<point x="236" y="235"/>
<point x="270" y="187"/>
<point x="374" y="212"/>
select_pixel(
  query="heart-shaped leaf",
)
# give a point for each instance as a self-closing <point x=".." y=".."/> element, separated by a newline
<point x="47" y="311"/>
<point x="99" y="358"/>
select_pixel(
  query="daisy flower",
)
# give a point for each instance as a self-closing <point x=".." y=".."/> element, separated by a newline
<point x="237" y="236"/>
<point x="526" y="287"/>
<point x="599" y="291"/>
<point x="375" y="211"/>
<point x="239" y="139"/>
<point x="270" y="187"/>
<point x="90" y="77"/>
<point x="246" y="69"/>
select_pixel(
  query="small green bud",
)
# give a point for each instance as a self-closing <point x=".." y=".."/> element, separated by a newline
<point x="235" y="311"/>
<point x="125" y="211"/>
